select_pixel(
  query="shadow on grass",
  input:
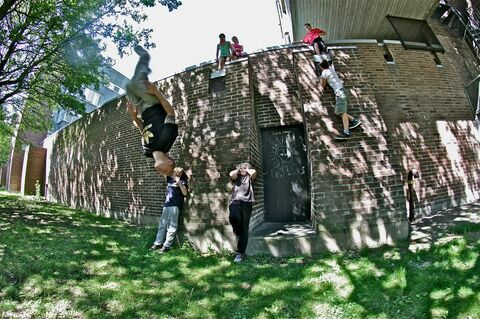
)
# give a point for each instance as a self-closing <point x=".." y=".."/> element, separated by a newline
<point x="56" y="261"/>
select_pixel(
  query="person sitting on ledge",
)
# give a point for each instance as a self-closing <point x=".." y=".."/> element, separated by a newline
<point x="314" y="37"/>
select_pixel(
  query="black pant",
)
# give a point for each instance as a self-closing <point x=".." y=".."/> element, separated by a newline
<point x="321" y="45"/>
<point x="239" y="218"/>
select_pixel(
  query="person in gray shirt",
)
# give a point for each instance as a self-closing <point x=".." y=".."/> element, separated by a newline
<point x="240" y="206"/>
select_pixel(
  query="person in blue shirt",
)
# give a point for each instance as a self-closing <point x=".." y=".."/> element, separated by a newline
<point x="177" y="189"/>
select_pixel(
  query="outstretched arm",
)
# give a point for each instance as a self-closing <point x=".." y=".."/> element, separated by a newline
<point x="132" y="109"/>
<point x="153" y="90"/>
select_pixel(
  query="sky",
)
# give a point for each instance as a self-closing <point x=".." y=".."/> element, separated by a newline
<point x="189" y="35"/>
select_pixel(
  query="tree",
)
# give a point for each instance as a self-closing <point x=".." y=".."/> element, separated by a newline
<point x="5" y="141"/>
<point x="51" y="49"/>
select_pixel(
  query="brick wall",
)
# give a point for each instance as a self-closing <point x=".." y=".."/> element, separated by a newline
<point x="415" y="115"/>
<point x="16" y="171"/>
<point x="35" y="170"/>
<point x="427" y="117"/>
<point x="275" y="101"/>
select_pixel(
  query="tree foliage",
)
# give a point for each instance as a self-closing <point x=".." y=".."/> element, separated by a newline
<point x="5" y="140"/>
<point x="52" y="49"/>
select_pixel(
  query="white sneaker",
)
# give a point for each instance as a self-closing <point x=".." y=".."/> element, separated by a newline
<point x="238" y="258"/>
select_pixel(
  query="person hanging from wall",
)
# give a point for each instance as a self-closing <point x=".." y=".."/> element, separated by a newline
<point x="226" y="51"/>
<point x="330" y="77"/>
<point x="177" y="190"/>
<point x="240" y="206"/>
<point x="153" y="115"/>
<point x="237" y="49"/>
<point x="314" y="38"/>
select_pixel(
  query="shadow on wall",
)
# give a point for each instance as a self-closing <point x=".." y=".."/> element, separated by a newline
<point x="357" y="194"/>
<point x="357" y="187"/>
<point x="101" y="168"/>
<point x="215" y="137"/>
<point x="358" y="197"/>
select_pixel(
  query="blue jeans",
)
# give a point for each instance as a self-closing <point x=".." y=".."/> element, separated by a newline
<point x="168" y="226"/>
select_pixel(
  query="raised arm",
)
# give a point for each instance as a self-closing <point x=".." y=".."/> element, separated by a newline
<point x="153" y="90"/>
<point x="252" y="173"/>
<point x="183" y="187"/>
<point x="234" y="174"/>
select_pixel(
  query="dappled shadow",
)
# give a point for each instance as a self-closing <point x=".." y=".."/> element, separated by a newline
<point x="444" y="225"/>
<point x="410" y="120"/>
<point x="358" y="194"/>
<point x="57" y="262"/>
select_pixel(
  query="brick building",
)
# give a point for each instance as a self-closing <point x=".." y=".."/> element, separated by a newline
<point x="269" y="110"/>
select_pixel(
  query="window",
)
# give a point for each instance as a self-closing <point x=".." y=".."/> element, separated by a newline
<point x="217" y="83"/>
<point x="415" y="34"/>
<point x="437" y="60"/>
<point x="387" y="54"/>
<point x="115" y="88"/>
<point x="283" y="5"/>
<point x="92" y="96"/>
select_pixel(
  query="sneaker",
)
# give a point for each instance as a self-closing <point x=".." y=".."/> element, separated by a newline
<point x="238" y="258"/>
<point x="164" y="249"/>
<point x="343" y="136"/>
<point x="355" y="123"/>
<point x="155" y="247"/>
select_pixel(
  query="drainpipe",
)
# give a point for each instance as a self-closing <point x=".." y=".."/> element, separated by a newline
<point x="413" y="173"/>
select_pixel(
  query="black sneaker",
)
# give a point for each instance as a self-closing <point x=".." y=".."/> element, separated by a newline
<point x="164" y="249"/>
<point x="355" y="123"/>
<point x="344" y="136"/>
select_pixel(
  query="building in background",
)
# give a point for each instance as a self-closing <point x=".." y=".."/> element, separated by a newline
<point x="93" y="98"/>
<point x="312" y="193"/>
<point x="26" y="167"/>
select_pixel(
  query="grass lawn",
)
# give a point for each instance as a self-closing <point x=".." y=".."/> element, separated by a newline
<point x="57" y="262"/>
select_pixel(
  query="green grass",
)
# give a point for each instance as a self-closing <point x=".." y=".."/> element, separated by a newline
<point x="57" y="262"/>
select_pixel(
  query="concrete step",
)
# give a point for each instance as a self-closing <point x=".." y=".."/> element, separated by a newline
<point x="285" y="239"/>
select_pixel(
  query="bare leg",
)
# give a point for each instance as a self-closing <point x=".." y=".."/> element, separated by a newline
<point x="221" y="64"/>
<point x="316" y="48"/>
<point x="345" y="120"/>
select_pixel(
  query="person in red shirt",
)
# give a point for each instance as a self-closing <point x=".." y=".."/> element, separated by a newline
<point x="314" y="37"/>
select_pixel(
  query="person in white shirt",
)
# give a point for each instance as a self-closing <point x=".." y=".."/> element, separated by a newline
<point x="330" y="77"/>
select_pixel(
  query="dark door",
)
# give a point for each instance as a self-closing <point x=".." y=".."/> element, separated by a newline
<point x="286" y="186"/>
